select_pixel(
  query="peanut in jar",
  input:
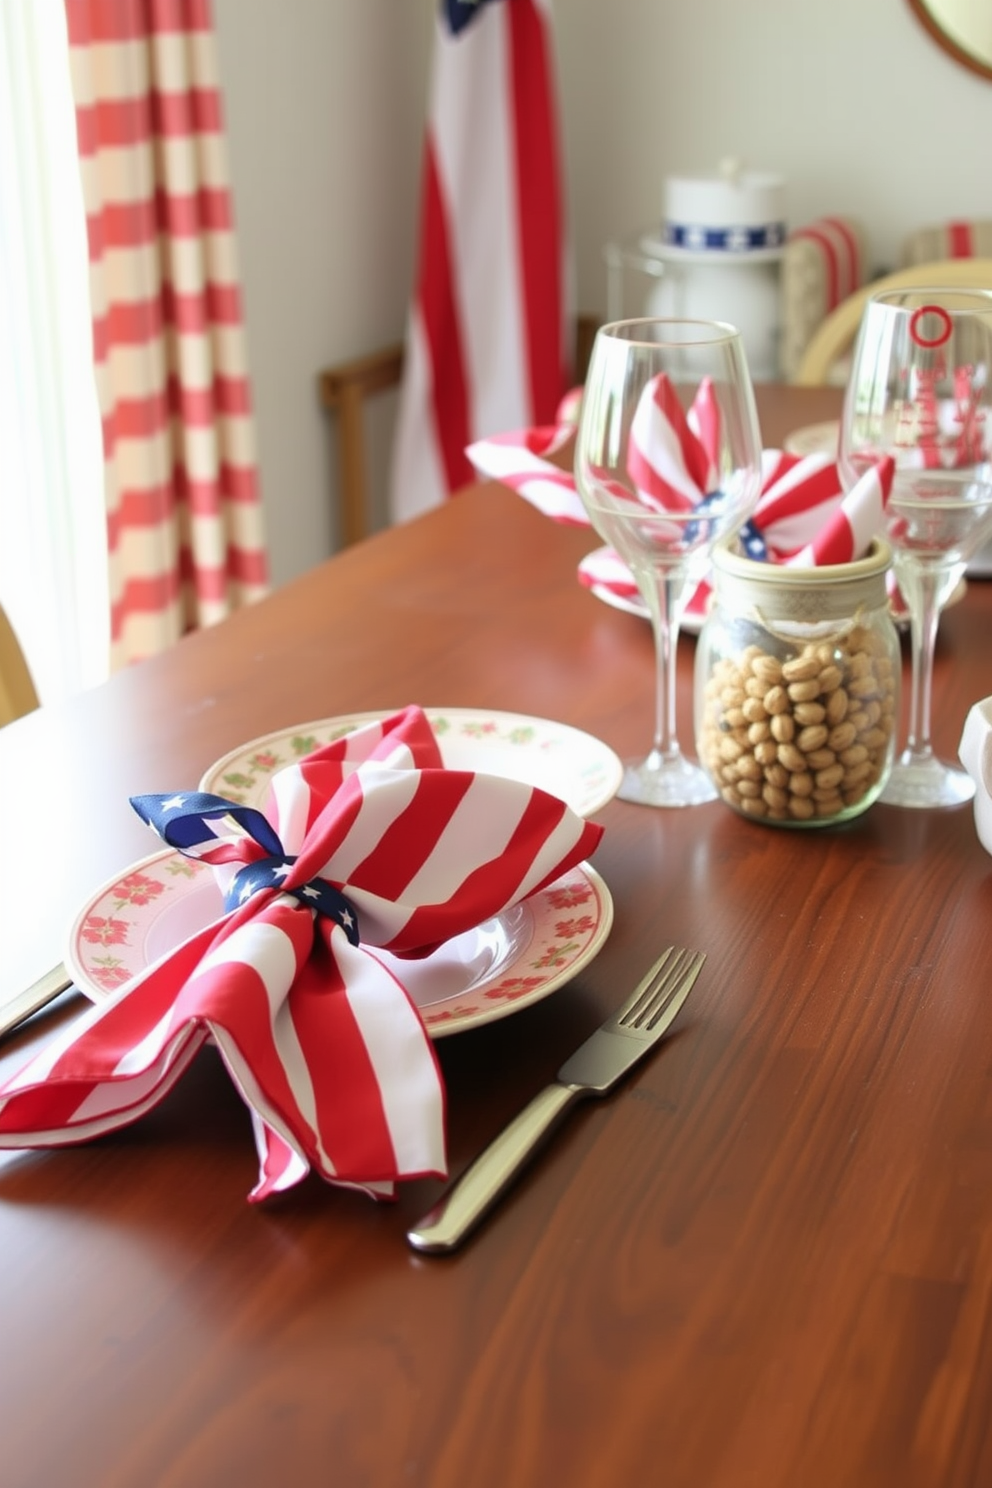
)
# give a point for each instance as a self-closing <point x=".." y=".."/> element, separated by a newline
<point x="815" y="656"/>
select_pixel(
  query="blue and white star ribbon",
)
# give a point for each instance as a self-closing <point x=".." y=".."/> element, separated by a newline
<point x="750" y="537"/>
<point x="208" y="827"/>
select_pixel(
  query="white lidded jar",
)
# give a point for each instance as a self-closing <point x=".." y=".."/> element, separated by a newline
<point x="797" y="685"/>
<point x="722" y="242"/>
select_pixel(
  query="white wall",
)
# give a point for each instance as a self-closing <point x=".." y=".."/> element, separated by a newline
<point x="850" y="100"/>
<point x="324" y="103"/>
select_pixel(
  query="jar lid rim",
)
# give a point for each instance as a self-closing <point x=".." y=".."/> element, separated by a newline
<point x="727" y="559"/>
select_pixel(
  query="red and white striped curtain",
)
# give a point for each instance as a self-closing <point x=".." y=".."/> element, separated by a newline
<point x="185" y="529"/>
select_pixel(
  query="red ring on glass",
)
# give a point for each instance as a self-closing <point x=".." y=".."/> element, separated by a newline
<point x="945" y="329"/>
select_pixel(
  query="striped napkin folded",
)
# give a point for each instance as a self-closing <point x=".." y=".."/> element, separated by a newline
<point x="368" y="842"/>
<point x="803" y="517"/>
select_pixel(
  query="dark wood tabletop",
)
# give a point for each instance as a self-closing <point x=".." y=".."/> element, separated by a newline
<point x="764" y="1262"/>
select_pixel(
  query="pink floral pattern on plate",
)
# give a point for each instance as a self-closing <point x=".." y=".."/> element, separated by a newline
<point x="130" y="922"/>
<point x="563" y="760"/>
<point x="108" y="941"/>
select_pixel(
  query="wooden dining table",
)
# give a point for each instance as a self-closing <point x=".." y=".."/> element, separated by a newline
<point x="764" y="1261"/>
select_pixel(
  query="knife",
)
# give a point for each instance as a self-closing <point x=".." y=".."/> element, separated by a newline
<point x="33" y="998"/>
<point x="593" y="1069"/>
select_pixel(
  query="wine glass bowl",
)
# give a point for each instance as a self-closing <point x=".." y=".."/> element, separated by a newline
<point x="917" y="392"/>
<point x="667" y="462"/>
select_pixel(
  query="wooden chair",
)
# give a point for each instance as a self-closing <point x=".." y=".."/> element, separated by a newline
<point x="835" y="335"/>
<point x="344" y="390"/>
<point x="17" y="690"/>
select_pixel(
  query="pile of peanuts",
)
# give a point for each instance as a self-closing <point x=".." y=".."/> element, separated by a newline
<point x="801" y="739"/>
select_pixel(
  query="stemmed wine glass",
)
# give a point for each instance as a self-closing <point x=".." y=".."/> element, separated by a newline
<point x="667" y="462"/>
<point x="918" y="391"/>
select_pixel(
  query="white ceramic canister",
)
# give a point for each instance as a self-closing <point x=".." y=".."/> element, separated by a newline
<point x="975" y="753"/>
<point x="797" y="684"/>
<point x="721" y="243"/>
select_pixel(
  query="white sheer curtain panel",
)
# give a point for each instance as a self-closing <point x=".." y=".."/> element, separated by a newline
<point x="53" y="530"/>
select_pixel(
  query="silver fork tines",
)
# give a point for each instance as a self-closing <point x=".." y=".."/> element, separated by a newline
<point x="609" y="1053"/>
<point x="642" y="1010"/>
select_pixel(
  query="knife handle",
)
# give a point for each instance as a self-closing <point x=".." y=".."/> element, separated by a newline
<point x="459" y="1210"/>
<point x="34" y="998"/>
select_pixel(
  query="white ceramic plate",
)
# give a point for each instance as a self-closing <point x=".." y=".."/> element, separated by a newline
<point x="591" y="568"/>
<point x="692" y="621"/>
<point x="579" y="769"/>
<point x="813" y="439"/>
<point x="487" y="973"/>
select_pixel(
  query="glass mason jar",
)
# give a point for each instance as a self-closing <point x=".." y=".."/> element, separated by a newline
<point x="797" y="687"/>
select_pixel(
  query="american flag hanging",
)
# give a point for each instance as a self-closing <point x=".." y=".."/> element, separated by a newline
<point x="487" y="342"/>
<point x="320" y="1038"/>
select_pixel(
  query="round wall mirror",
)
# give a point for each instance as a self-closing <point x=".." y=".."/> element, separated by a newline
<point x="962" y="27"/>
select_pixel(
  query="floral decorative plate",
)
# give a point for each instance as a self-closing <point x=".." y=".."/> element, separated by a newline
<point x="568" y="763"/>
<point x="487" y="973"/>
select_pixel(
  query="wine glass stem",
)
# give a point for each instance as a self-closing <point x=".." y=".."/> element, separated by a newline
<point x="924" y="621"/>
<point x="665" y="615"/>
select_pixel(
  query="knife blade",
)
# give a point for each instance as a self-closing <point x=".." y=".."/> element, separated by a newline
<point x="595" y="1067"/>
<point x="34" y="998"/>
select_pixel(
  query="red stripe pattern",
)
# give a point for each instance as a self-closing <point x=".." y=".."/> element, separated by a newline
<point x="538" y="220"/>
<point x="522" y="460"/>
<point x="854" y="521"/>
<point x="840" y="255"/>
<point x="448" y="411"/>
<point x="803" y="514"/>
<point x="960" y="240"/>
<point x="670" y="467"/>
<point x="320" y="1038"/>
<point x="185" y="530"/>
<point x="487" y="344"/>
<point x="823" y="263"/>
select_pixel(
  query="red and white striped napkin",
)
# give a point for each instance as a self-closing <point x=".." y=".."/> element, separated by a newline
<point x="320" y="1038"/>
<point x="803" y="517"/>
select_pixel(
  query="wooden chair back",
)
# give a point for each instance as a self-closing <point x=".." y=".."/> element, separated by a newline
<point x="345" y="390"/>
<point x="17" y="690"/>
<point x="836" y="333"/>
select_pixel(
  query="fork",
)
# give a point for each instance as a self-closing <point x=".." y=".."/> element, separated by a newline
<point x="593" y="1069"/>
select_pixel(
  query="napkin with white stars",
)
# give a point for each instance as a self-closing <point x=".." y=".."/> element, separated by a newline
<point x="367" y="843"/>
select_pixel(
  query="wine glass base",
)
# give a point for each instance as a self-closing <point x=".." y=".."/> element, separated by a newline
<point x="665" y="780"/>
<point x="927" y="782"/>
